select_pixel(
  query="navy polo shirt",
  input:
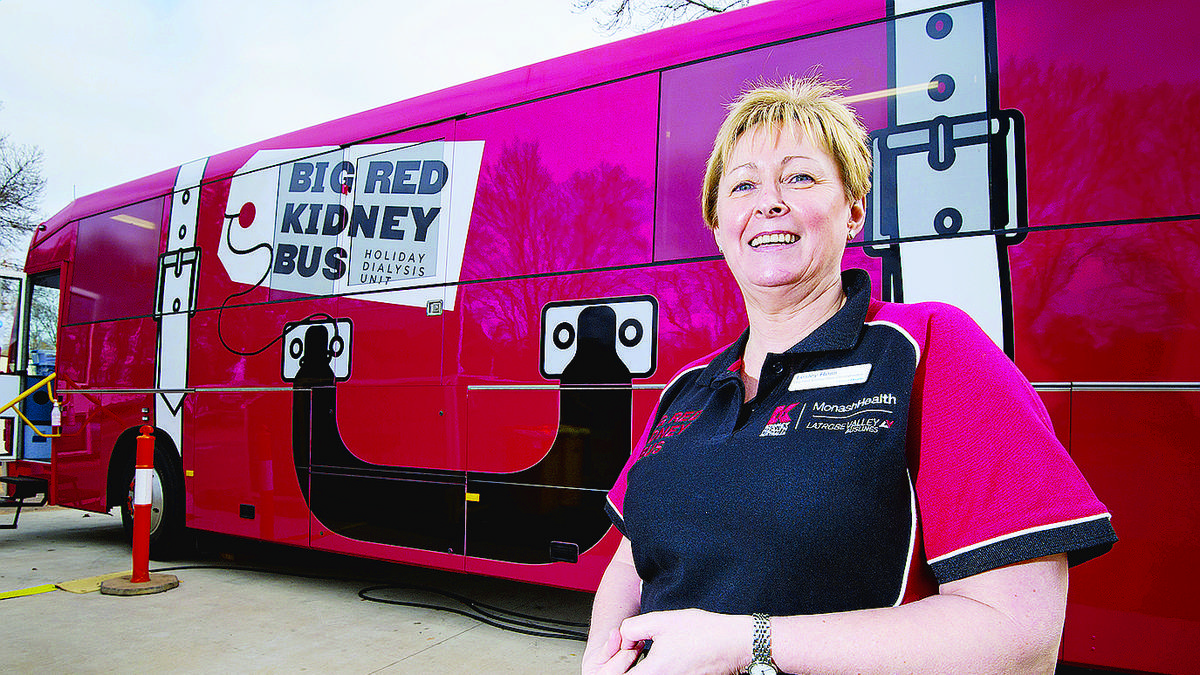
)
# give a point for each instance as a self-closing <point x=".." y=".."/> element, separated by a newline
<point x="828" y="492"/>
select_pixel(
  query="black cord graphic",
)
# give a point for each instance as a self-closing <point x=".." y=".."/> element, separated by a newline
<point x="229" y="217"/>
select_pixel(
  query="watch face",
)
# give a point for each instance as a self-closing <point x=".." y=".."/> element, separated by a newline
<point x="762" y="669"/>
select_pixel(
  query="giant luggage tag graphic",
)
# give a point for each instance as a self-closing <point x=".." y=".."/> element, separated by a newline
<point x="551" y="511"/>
<point x="949" y="164"/>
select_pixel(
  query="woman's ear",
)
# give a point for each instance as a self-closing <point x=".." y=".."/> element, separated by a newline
<point x="858" y="217"/>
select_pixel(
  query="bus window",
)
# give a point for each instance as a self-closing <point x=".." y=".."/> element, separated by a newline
<point x="103" y="291"/>
<point x="41" y="340"/>
<point x="10" y="300"/>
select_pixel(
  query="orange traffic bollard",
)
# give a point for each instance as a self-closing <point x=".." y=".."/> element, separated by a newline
<point x="143" y="485"/>
<point x="141" y="582"/>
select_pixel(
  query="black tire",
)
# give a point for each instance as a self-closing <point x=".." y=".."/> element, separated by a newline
<point x="169" y="537"/>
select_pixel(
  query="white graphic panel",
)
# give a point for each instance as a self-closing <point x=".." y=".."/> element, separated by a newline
<point x="178" y="276"/>
<point x="634" y="333"/>
<point x="934" y="171"/>
<point x="301" y="349"/>
<point x="391" y="219"/>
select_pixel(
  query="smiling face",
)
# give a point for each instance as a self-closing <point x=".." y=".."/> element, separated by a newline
<point x="783" y="218"/>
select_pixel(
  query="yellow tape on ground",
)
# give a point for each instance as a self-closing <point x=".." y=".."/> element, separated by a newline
<point x="90" y="584"/>
<point x="28" y="591"/>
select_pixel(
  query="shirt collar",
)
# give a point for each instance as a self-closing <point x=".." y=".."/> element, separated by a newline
<point x="839" y="331"/>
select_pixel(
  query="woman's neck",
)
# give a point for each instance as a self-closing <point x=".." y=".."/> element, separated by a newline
<point x="778" y="323"/>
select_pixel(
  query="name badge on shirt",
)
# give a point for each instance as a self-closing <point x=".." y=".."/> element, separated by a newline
<point x="832" y="377"/>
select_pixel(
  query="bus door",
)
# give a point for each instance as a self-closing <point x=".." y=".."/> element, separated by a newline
<point x="31" y="318"/>
<point x="41" y="349"/>
<point x="10" y="380"/>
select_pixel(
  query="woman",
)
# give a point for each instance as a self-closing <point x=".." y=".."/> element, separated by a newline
<point x="852" y="486"/>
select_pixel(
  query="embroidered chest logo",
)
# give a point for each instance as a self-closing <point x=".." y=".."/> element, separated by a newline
<point x="870" y="414"/>
<point x="780" y="420"/>
<point x="668" y="426"/>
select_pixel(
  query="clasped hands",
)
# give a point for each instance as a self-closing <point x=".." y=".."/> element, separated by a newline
<point x="690" y="641"/>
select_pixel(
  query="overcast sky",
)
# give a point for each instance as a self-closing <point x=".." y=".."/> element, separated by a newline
<point x="117" y="89"/>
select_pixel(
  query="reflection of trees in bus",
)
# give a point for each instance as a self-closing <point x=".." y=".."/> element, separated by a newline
<point x="1129" y="294"/>
<point x="526" y="222"/>
<point x="1100" y="151"/>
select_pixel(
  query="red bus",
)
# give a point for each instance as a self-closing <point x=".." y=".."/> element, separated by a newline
<point x="430" y="332"/>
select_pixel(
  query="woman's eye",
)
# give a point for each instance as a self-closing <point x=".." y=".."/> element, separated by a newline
<point x="799" y="178"/>
<point x="742" y="186"/>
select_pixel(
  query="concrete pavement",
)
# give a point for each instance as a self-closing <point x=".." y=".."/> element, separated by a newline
<point x="222" y="620"/>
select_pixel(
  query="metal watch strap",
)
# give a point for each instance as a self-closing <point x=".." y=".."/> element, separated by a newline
<point x="762" y="640"/>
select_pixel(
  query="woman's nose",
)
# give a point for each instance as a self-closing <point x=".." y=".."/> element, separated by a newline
<point x="770" y="203"/>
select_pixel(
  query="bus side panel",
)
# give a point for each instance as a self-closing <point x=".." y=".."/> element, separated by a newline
<point x="325" y="539"/>
<point x="494" y="429"/>
<point x="394" y="409"/>
<point x="235" y="320"/>
<point x="537" y="470"/>
<point x="101" y="347"/>
<point x="103" y="289"/>
<point x="237" y="452"/>
<point x="1109" y="104"/>
<point x="108" y="355"/>
<point x="563" y="187"/>
<point x="1107" y="304"/>
<point x="1138" y="606"/>
<point x="566" y="184"/>
<point x="1100" y="307"/>
<point x="501" y="442"/>
<point x="90" y="429"/>
<point x="104" y="355"/>
<point x="1110" y="138"/>
<point x="240" y="475"/>
<point x="240" y="449"/>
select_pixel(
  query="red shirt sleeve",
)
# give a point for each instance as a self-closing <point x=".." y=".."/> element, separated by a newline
<point x="994" y="485"/>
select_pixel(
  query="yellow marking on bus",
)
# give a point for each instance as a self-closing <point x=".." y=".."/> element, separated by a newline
<point x="28" y="591"/>
<point x="472" y="496"/>
<point x="189" y="473"/>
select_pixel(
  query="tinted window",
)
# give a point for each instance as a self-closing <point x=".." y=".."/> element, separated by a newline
<point x="115" y="261"/>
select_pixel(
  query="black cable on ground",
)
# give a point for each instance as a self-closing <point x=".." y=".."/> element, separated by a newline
<point x="498" y="617"/>
<point x="492" y="616"/>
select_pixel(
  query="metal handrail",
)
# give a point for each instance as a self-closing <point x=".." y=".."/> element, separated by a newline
<point x="45" y="382"/>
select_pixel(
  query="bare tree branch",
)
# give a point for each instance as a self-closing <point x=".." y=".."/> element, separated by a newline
<point x="613" y="15"/>
<point x="21" y="185"/>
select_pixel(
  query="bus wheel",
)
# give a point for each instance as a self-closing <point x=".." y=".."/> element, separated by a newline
<point x="168" y="535"/>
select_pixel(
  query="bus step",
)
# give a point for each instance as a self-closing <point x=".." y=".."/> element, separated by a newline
<point x="23" y="487"/>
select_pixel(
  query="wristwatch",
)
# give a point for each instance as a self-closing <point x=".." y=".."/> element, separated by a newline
<point x="761" y="664"/>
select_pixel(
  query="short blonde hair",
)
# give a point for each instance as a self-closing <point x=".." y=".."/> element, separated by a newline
<point x="814" y="105"/>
